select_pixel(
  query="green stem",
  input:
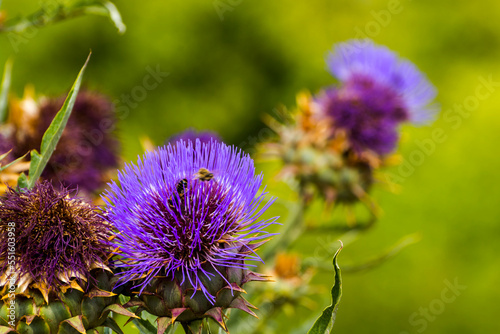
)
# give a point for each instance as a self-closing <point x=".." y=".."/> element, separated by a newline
<point x="387" y="255"/>
<point x="40" y="19"/>
<point x="46" y="16"/>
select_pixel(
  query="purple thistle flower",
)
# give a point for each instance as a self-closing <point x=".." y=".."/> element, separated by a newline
<point x="363" y="61"/>
<point x="190" y="135"/>
<point x="368" y="113"/>
<point x="377" y="91"/>
<point x="56" y="236"/>
<point x="188" y="210"/>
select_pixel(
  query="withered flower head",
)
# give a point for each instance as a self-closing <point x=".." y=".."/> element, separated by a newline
<point x="56" y="236"/>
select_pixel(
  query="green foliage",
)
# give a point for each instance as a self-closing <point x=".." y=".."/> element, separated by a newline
<point x="144" y="326"/>
<point x="103" y="8"/>
<point x="325" y="322"/>
<point x="4" y="90"/>
<point x="52" y="135"/>
<point x="4" y="167"/>
<point x="52" y="12"/>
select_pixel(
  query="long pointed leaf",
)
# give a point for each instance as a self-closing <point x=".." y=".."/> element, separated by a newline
<point x="144" y="326"/>
<point x="324" y="324"/>
<point x="5" y="330"/>
<point x="4" y="90"/>
<point x="115" y="16"/>
<point x="54" y="132"/>
<point x="64" y="11"/>
<point x="11" y="163"/>
<point x="4" y="155"/>
<point x="107" y="9"/>
<point x="111" y="323"/>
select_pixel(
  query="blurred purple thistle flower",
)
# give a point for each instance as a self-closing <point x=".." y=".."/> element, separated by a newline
<point x="378" y="91"/>
<point x="365" y="62"/>
<point x="173" y="219"/>
<point x="88" y="148"/>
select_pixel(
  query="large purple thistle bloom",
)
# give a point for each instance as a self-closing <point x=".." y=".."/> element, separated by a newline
<point x="171" y="221"/>
<point x="377" y="91"/>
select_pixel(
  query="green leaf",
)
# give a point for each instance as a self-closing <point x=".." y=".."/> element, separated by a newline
<point x="120" y="310"/>
<point x="11" y="163"/>
<point x="4" y="90"/>
<point x="22" y="181"/>
<point x="164" y="325"/>
<point x="111" y="323"/>
<point x="324" y="323"/>
<point x="107" y="9"/>
<point x="4" y="155"/>
<point x="144" y="326"/>
<point x="50" y="13"/>
<point x="54" y="132"/>
<point x="193" y="327"/>
<point x="148" y="316"/>
<point x="5" y="329"/>
<point x="76" y="323"/>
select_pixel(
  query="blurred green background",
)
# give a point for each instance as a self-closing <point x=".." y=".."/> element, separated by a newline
<point x="227" y="70"/>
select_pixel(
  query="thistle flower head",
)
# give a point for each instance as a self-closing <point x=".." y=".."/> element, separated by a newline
<point x="56" y="237"/>
<point x="366" y="63"/>
<point x="377" y="91"/>
<point x="368" y="115"/>
<point x="188" y="211"/>
<point x="191" y="135"/>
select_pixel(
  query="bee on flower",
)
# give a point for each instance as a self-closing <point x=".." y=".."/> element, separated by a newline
<point x="187" y="243"/>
